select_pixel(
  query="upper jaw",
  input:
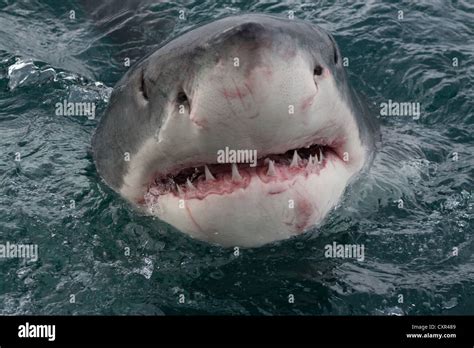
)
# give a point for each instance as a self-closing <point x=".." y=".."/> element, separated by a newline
<point x="334" y="143"/>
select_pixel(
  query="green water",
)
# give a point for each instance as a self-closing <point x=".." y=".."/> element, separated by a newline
<point x="54" y="198"/>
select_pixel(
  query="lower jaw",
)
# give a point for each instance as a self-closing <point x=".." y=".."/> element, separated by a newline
<point x="260" y="213"/>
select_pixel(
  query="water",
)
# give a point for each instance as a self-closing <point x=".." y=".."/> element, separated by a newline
<point x="114" y="261"/>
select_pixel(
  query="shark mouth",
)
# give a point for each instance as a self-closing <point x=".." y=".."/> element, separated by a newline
<point x="199" y="181"/>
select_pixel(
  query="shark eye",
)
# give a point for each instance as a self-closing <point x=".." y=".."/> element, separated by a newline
<point x="143" y="89"/>
<point x="318" y="70"/>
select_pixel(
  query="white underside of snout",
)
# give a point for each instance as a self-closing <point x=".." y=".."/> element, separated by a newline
<point x="259" y="214"/>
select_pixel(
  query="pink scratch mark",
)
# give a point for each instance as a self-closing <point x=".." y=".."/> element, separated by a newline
<point x="304" y="209"/>
<point x="200" y="123"/>
<point x="307" y="102"/>
<point x="192" y="218"/>
<point x="235" y="93"/>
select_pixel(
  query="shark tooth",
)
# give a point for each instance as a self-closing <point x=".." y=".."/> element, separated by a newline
<point x="235" y="173"/>
<point x="310" y="162"/>
<point x="207" y="172"/>
<point x="271" y="169"/>
<point x="189" y="184"/>
<point x="295" y="160"/>
<point x="321" y="157"/>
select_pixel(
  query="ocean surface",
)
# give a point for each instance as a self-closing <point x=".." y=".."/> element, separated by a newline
<point x="96" y="255"/>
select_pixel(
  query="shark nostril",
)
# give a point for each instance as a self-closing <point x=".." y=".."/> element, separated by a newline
<point x="318" y="70"/>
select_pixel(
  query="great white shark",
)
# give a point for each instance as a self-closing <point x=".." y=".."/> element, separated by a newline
<point x="248" y="84"/>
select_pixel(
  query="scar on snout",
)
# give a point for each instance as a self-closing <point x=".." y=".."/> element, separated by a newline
<point x="234" y="93"/>
<point x="199" y="122"/>
<point x="307" y="102"/>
